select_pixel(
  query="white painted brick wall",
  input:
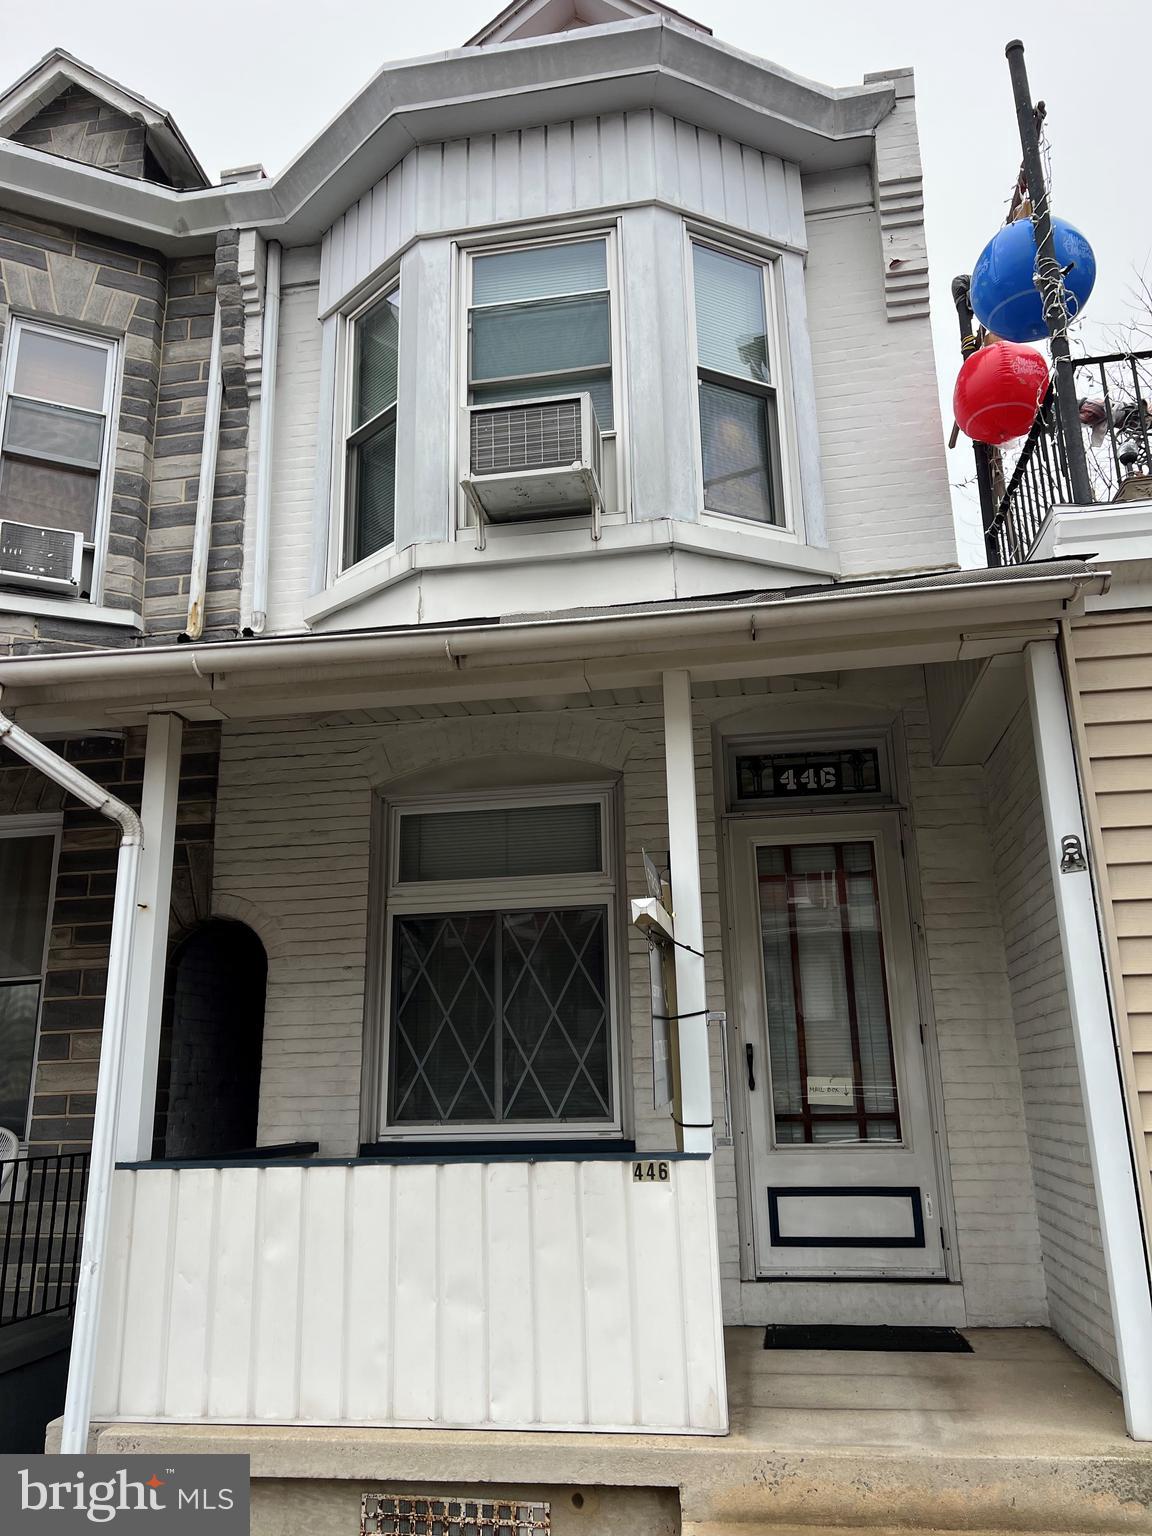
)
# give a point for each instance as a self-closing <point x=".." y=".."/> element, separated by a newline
<point x="1078" y="1303"/>
<point x="292" y="859"/>
<point x="294" y="455"/>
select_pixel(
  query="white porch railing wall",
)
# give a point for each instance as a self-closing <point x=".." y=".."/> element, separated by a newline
<point x="506" y="1294"/>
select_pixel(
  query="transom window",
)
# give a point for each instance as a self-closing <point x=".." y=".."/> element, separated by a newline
<point x="56" y="434"/>
<point x="27" y="872"/>
<point x="739" y="429"/>
<point x="539" y="324"/>
<point x="500" y="963"/>
<point x="370" y="447"/>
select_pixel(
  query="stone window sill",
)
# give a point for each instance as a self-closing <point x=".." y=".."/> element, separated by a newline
<point x="69" y="608"/>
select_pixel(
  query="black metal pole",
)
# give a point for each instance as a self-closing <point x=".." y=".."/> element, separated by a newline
<point x="961" y="289"/>
<point x="1049" y="280"/>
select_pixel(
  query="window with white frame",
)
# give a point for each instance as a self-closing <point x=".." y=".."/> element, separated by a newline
<point x="500" y="936"/>
<point x="27" y="875"/>
<point x="739" y="426"/>
<point x="540" y="324"/>
<point x="370" y="445"/>
<point x="57" y="436"/>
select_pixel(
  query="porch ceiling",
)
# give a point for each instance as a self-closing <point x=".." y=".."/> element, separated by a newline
<point x="942" y="616"/>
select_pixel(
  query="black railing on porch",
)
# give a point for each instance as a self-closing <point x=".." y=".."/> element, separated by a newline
<point x="1115" y="392"/>
<point x="41" y="1223"/>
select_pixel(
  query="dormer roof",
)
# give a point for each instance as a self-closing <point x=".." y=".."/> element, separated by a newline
<point x="60" y="72"/>
<point x="542" y="18"/>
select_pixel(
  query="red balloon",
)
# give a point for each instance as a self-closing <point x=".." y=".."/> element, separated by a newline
<point x="998" y="392"/>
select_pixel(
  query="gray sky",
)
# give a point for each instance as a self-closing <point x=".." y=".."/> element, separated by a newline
<point x="254" y="80"/>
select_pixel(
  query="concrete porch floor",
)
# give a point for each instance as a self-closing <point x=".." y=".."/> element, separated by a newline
<point x="1020" y="1436"/>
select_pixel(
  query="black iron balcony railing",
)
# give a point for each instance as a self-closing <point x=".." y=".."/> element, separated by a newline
<point x="41" y="1222"/>
<point x="1115" y="392"/>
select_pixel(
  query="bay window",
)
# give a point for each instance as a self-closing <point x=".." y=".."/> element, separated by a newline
<point x="500" y="940"/>
<point x="56" y="438"/>
<point x="539" y="324"/>
<point x="739" y="428"/>
<point x="370" y="446"/>
<point x="27" y="875"/>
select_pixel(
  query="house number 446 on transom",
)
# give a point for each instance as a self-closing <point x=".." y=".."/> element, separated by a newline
<point x="651" y="1173"/>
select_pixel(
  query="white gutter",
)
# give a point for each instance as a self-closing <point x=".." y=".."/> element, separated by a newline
<point x="202" y="539"/>
<point x="268" y="350"/>
<point x="90" y="1280"/>
<point x="448" y="647"/>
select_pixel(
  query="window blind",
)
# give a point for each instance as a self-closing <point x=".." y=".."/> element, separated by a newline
<point x="539" y="272"/>
<point x="735" y="443"/>
<point x="375" y="481"/>
<point x="546" y="338"/>
<point x="502" y="843"/>
<point x="377" y="356"/>
<point x="731" y="325"/>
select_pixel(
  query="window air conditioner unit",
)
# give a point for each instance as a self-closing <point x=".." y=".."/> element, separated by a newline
<point x="534" y="459"/>
<point x="48" y="558"/>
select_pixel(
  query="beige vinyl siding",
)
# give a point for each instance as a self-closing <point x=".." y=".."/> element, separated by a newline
<point x="1113" y="677"/>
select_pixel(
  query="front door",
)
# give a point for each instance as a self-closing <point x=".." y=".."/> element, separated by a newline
<point x="837" y="1113"/>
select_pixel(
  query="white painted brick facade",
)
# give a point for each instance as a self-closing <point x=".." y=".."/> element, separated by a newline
<point x="1077" y="1288"/>
<point x="292" y="858"/>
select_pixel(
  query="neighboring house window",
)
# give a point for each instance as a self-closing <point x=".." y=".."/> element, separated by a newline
<point x="540" y="323"/>
<point x="370" y="465"/>
<point x="27" y="875"/>
<point x="739" y="428"/>
<point x="56" y="441"/>
<point x="500" y="961"/>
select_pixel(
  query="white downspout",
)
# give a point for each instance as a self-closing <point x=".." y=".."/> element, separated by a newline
<point x="202" y="539"/>
<point x="268" y="351"/>
<point x="78" y="1402"/>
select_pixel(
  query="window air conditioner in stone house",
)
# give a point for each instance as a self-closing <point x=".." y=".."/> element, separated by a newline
<point x="45" y="558"/>
<point x="530" y="460"/>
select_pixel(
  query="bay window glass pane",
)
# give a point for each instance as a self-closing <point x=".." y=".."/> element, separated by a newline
<point x="373" y="473"/>
<point x="25" y="893"/>
<point x="19" y="1005"/>
<point x="504" y="842"/>
<point x="52" y="432"/>
<point x="547" y="338"/>
<point x="56" y="368"/>
<point x="539" y="272"/>
<point x="731" y="327"/>
<point x="736" y="446"/>
<point x="48" y="495"/>
<point x="377" y="354"/>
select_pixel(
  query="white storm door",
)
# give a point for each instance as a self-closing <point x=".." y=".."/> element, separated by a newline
<point x="837" y="1110"/>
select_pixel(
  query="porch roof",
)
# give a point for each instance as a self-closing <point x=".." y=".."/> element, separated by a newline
<point x="933" y="616"/>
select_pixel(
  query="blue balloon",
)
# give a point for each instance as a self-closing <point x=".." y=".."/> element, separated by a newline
<point x="1005" y="298"/>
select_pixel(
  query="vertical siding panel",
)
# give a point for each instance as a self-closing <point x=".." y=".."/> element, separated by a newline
<point x="607" y="1284"/>
<point x="781" y="223"/>
<point x="659" y="1318"/>
<point x="735" y="195"/>
<point x="393" y="211"/>
<point x="711" y="175"/>
<point x="666" y="164"/>
<point x="533" y="173"/>
<point x="322" y="1310"/>
<point x="364" y="236"/>
<point x="409" y="181"/>
<point x="505" y="177"/>
<point x="613" y="159"/>
<point x="276" y="1294"/>
<point x="559" y="167"/>
<point x="699" y="1280"/>
<point x="559" y="1320"/>
<point x="367" y="1336"/>
<point x="110" y="1343"/>
<point x="429" y="184"/>
<point x="586" y="162"/>
<point x="454" y="202"/>
<point x="690" y="177"/>
<point x="190" y="1318"/>
<point x="330" y="265"/>
<point x="462" y="1387"/>
<point x="415" y="1297"/>
<point x="756" y="193"/>
<point x="349" y="274"/>
<point x="640" y="140"/>
<point x="512" y="1359"/>
<point x="481" y="172"/>
<point x="378" y="225"/>
<point x="232" y="1341"/>
<point x="794" y="197"/>
<point x="149" y="1279"/>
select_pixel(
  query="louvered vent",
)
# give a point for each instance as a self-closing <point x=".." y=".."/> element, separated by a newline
<point x="518" y="437"/>
<point x="383" y="1514"/>
<point x="39" y="556"/>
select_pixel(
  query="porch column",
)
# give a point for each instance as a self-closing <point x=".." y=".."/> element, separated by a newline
<point x="684" y="857"/>
<point x="1092" y="1026"/>
<point x="149" y="957"/>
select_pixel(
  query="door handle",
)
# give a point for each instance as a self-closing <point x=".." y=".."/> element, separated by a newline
<point x="750" y="1058"/>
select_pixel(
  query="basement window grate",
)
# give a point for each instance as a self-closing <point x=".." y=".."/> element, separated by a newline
<point x="385" y="1514"/>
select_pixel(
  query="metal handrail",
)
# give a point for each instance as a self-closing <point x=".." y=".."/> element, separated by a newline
<point x="41" y="1222"/>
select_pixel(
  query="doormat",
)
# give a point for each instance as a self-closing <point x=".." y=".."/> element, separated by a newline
<point x="844" y="1336"/>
